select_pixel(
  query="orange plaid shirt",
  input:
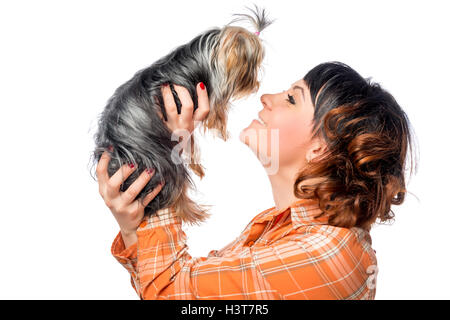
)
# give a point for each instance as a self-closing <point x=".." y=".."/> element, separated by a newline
<point x="298" y="257"/>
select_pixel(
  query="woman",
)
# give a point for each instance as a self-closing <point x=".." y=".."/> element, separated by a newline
<point x="340" y="163"/>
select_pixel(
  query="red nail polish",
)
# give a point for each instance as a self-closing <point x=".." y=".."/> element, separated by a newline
<point x="149" y="170"/>
<point x="131" y="165"/>
<point x="202" y="86"/>
<point x="110" y="148"/>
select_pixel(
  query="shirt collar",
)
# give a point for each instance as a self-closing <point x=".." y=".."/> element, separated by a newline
<point x="303" y="212"/>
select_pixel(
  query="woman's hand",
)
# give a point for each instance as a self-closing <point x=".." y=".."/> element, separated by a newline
<point x="184" y="123"/>
<point x="127" y="211"/>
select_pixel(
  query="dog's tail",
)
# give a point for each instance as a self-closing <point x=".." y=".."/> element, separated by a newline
<point x="259" y="19"/>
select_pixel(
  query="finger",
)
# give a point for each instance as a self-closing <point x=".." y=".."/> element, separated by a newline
<point x="160" y="111"/>
<point x="169" y="104"/>
<point x="187" y="105"/>
<point x="138" y="204"/>
<point x="148" y="198"/>
<point x="203" y="103"/>
<point x="118" y="178"/>
<point x="131" y="193"/>
<point x="160" y="115"/>
<point x="102" y="168"/>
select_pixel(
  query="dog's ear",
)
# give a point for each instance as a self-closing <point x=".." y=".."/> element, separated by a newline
<point x="194" y="162"/>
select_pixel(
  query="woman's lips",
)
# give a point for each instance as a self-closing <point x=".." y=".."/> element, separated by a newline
<point x="257" y="122"/>
<point x="262" y="119"/>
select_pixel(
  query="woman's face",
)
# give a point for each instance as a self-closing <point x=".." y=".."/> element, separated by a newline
<point x="285" y="134"/>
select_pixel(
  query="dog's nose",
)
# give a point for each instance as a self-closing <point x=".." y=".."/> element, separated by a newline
<point x="265" y="102"/>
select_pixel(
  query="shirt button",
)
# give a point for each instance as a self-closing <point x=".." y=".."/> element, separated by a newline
<point x="143" y="224"/>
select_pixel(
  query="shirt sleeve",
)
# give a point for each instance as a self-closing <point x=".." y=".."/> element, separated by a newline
<point x="127" y="257"/>
<point x="161" y="268"/>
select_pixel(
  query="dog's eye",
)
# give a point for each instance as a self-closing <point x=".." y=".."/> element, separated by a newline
<point x="290" y="99"/>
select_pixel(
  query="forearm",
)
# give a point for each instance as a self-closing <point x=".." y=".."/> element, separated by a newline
<point x="161" y="243"/>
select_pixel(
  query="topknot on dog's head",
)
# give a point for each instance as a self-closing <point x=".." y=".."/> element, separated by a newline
<point x="237" y="59"/>
<point x="259" y="20"/>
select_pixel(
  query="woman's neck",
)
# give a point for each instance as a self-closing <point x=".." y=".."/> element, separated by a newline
<point x="283" y="187"/>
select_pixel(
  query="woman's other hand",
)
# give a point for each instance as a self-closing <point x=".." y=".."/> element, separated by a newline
<point x="127" y="211"/>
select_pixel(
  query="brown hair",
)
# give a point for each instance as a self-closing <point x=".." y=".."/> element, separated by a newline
<point x="367" y="136"/>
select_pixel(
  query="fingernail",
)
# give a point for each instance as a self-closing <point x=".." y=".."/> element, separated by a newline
<point x="131" y="165"/>
<point x="165" y="85"/>
<point x="202" y="86"/>
<point x="149" y="170"/>
<point x="110" y="148"/>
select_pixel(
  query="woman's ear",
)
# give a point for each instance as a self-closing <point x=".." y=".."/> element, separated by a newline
<point x="316" y="149"/>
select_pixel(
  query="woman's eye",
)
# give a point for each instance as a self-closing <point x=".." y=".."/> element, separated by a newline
<point x="290" y="99"/>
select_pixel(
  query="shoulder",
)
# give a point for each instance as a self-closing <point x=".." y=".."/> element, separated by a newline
<point x="335" y="240"/>
<point x="319" y="261"/>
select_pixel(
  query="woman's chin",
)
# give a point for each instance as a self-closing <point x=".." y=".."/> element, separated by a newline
<point x="251" y="132"/>
<point x="247" y="134"/>
<point x="259" y="145"/>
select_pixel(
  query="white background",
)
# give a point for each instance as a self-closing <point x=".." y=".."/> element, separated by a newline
<point x="61" y="60"/>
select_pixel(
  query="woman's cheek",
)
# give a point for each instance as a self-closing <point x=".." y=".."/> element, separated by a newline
<point x="289" y="132"/>
<point x="293" y="137"/>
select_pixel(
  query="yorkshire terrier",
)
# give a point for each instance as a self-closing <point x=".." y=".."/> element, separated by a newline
<point x="227" y="60"/>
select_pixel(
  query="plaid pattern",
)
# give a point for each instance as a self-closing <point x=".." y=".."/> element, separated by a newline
<point x="297" y="257"/>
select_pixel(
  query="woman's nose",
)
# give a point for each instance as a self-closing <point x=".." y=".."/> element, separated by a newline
<point x="265" y="100"/>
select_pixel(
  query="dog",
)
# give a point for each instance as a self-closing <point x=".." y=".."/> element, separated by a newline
<point x="130" y="128"/>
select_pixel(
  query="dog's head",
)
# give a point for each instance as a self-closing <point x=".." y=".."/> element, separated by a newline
<point x="236" y="59"/>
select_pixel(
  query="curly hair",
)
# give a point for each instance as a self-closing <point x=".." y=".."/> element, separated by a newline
<point x="367" y="135"/>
